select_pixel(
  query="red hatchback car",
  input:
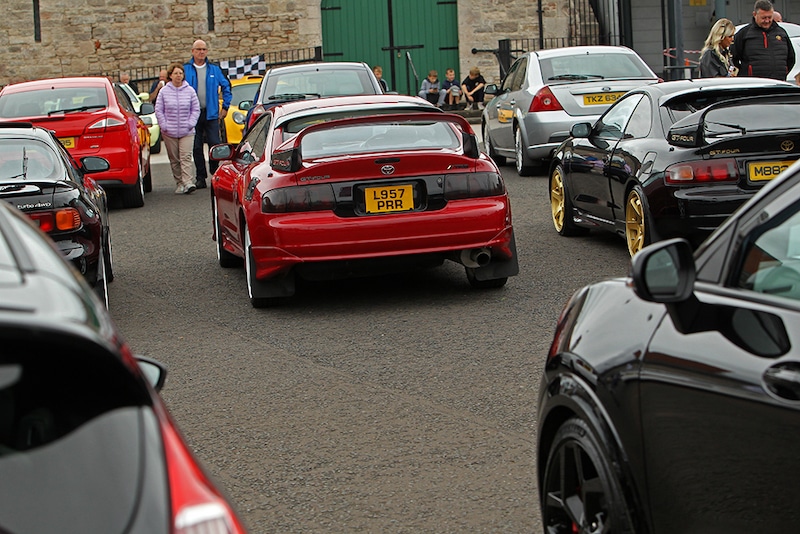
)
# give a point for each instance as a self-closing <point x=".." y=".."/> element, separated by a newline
<point x="359" y="185"/>
<point x="91" y="118"/>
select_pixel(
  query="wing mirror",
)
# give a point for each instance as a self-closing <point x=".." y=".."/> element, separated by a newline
<point x="582" y="129"/>
<point x="221" y="152"/>
<point x="154" y="371"/>
<point x="490" y="89"/>
<point x="91" y="164"/>
<point x="147" y="108"/>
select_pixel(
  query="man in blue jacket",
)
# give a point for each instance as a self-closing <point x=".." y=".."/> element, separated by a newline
<point x="208" y="80"/>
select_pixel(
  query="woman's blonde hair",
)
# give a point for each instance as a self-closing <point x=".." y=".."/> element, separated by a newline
<point x="721" y="29"/>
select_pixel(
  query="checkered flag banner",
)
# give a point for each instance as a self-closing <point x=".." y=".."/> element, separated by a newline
<point x="242" y="67"/>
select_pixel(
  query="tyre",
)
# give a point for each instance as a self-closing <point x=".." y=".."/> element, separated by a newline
<point x="101" y="284"/>
<point x="581" y="491"/>
<point x="487" y="143"/>
<point x="638" y="233"/>
<point x="524" y="165"/>
<point x="148" y="180"/>
<point x="225" y="258"/>
<point x="156" y="148"/>
<point x="133" y="195"/>
<point x="254" y="285"/>
<point x="108" y="256"/>
<point x="561" y="205"/>
<point x="494" y="283"/>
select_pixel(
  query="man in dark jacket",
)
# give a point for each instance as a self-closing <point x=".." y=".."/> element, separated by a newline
<point x="209" y="82"/>
<point x="762" y="48"/>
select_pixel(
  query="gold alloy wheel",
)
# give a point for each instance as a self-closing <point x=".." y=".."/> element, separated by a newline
<point x="557" y="199"/>
<point x="634" y="222"/>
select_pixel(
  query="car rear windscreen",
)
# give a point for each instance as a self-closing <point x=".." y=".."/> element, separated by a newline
<point x="43" y="102"/>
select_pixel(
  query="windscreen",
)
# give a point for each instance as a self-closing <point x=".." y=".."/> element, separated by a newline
<point x="43" y="102"/>
<point x="593" y="67"/>
<point x="319" y="82"/>
<point x="379" y="137"/>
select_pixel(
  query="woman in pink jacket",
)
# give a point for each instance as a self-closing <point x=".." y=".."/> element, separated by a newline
<point x="177" y="110"/>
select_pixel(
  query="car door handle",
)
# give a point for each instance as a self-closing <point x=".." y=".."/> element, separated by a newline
<point x="783" y="379"/>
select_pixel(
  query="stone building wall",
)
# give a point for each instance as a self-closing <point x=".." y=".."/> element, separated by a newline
<point x="80" y="37"/>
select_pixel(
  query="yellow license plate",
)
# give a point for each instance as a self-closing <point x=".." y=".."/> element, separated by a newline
<point x="596" y="99"/>
<point x="389" y="199"/>
<point x="766" y="170"/>
<point x="68" y="142"/>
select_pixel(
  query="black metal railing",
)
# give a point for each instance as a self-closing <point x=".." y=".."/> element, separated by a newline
<point x="145" y="76"/>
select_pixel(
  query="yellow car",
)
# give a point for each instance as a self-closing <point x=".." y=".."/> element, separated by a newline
<point x="244" y="89"/>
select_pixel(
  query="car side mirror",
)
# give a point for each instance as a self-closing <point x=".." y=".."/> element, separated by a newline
<point x="221" y="152"/>
<point x="582" y="129"/>
<point x="147" y="108"/>
<point x="490" y="89"/>
<point x="154" y="371"/>
<point x="90" y="164"/>
<point x="244" y="105"/>
<point x="664" y="272"/>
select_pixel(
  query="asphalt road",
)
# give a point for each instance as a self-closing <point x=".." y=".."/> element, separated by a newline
<point x="395" y="404"/>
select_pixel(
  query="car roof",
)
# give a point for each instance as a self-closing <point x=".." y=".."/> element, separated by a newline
<point x="78" y="81"/>
<point x="579" y="50"/>
<point x="326" y="65"/>
<point x="353" y="101"/>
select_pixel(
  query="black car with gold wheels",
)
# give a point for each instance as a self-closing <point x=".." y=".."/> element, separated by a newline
<point x="674" y="159"/>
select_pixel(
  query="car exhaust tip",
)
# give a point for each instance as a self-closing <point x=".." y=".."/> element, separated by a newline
<point x="474" y="258"/>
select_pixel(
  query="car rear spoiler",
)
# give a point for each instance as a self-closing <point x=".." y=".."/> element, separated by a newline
<point x="689" y="131"/>
<point x="287" y="157"/>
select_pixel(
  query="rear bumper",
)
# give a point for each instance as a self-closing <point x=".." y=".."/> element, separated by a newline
<point x="545" y="130"/>
<point x="281" y="242"/>
<point x="695" y="212"/>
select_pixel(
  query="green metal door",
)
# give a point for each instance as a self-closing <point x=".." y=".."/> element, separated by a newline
<point x="406" y="37"/>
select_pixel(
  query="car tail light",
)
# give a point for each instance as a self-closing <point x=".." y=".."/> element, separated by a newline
<point x="703" y="171"/>
<point x="258" y="110"/>
<point x="108" y="123"/>
<point x="485" y="184"/>
<point x="57" y="221"/>
<point x="197" y="506"/>
<point x="545" y="100"/>
<point x="303" y="198"/>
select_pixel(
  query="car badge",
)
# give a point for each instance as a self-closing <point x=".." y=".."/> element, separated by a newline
<point x="606" y="89"/>
<point x="387" y="169"/>
<point x="787" y="146"/>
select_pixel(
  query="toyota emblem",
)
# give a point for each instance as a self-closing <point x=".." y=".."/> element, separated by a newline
<point x="387" y="169"/>
<point x="787" y="146"/>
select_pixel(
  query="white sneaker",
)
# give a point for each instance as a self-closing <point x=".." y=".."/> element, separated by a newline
<point x="480" y="105"/>
<point x="180" y="190"/>
<point x="188" y="189"/>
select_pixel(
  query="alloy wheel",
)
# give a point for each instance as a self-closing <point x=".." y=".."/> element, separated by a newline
<point x="635" y="229"/>
<point x="557" y="207"/>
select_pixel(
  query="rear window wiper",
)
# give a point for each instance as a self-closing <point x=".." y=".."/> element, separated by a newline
<point x="73" y="110"/>
<point x="742" y="129"/>
<point x="575" y="76"/>
<point x="292" y="96"/>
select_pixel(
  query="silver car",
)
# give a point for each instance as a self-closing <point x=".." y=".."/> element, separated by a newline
<point x="547" y="91"/>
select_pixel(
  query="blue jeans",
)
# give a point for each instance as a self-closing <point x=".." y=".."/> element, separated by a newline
<point x="206" y="131"/>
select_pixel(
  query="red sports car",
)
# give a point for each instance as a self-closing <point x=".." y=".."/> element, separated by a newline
<point x="91" y="118"/>
<point x="357" y="186"/>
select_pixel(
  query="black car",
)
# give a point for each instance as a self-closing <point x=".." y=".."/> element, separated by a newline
<point x="674" y="159"/>
<point x="40" y="178"/>
<point x="670" y="400"/>
<point x="86" y="444"/>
